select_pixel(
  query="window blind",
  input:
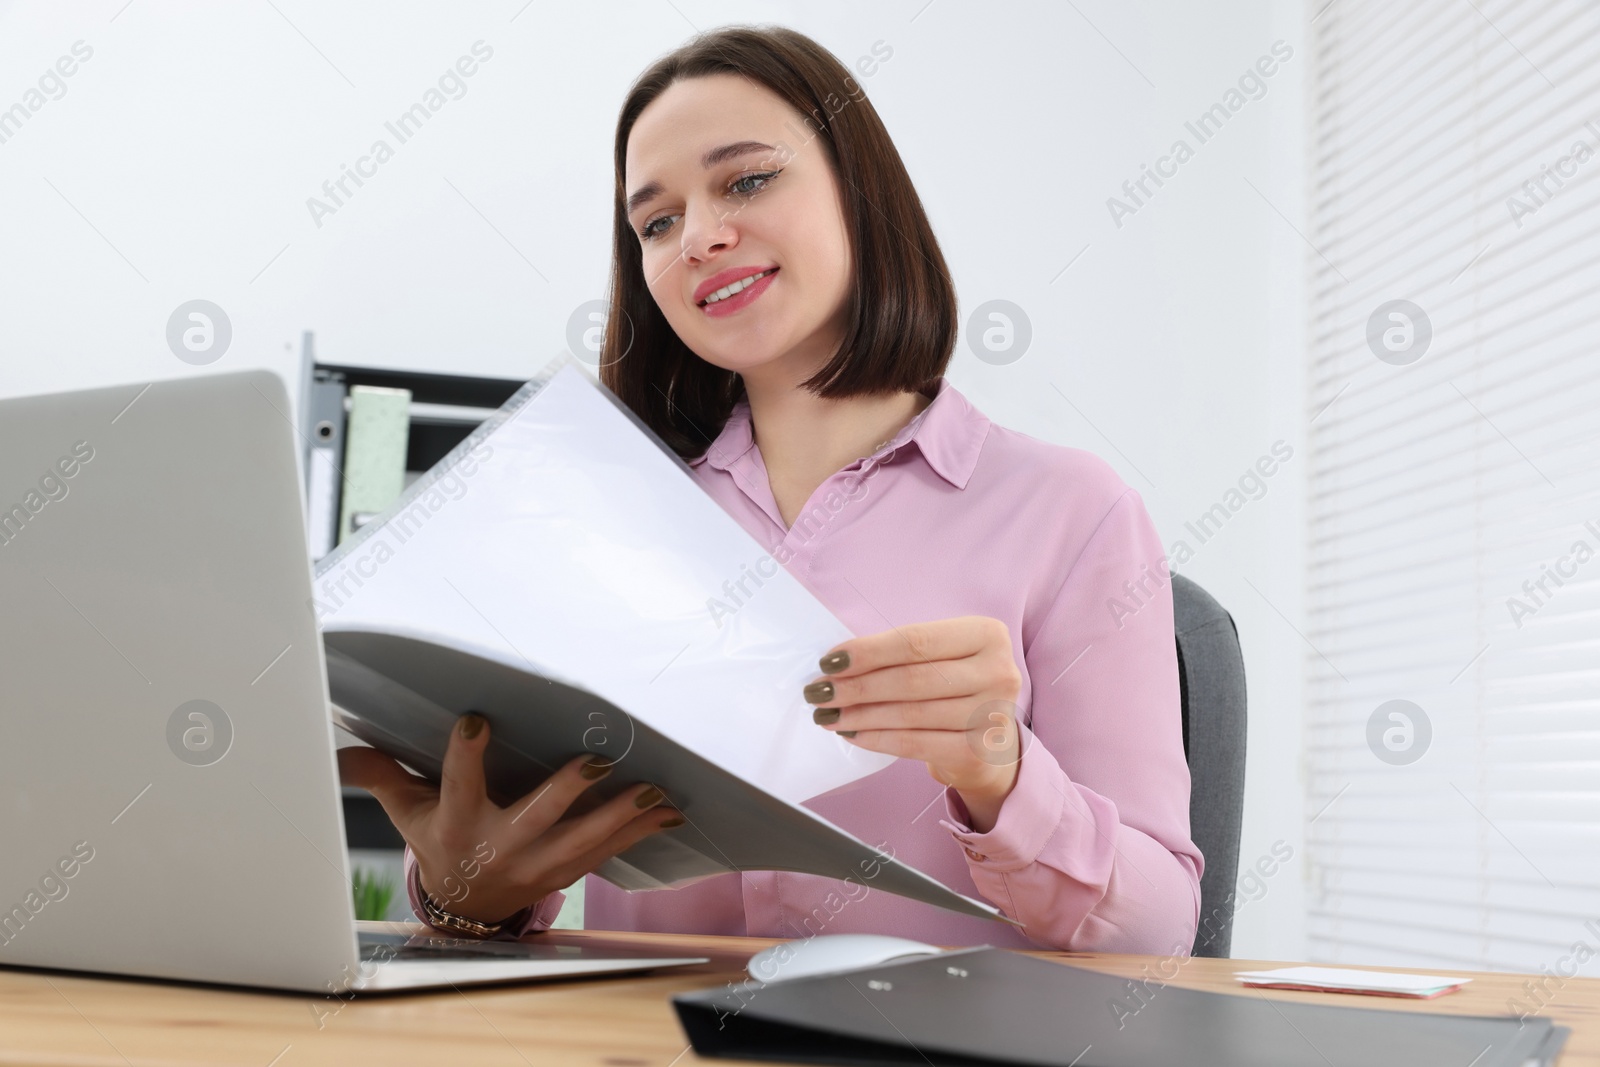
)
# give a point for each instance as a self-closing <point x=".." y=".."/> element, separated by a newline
<point x="1453" y="592"/>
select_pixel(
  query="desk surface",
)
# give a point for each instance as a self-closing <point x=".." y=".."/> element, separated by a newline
<point x="600" y="1022"/>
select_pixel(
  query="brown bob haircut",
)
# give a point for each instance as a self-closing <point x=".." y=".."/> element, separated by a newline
<point x="901" y="302"/>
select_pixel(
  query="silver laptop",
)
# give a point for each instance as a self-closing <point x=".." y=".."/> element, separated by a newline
<point x="169" y="798"/>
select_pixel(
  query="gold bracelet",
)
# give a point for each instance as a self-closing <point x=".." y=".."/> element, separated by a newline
<point x="449" y="920"/>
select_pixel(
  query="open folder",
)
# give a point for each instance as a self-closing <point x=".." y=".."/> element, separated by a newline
<point x="563" y="574"/>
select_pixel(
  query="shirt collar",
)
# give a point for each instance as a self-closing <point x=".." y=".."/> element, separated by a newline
<point x="949" y="432"/>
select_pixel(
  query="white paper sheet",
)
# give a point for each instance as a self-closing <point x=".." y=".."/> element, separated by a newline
<point x="565" y="535"/>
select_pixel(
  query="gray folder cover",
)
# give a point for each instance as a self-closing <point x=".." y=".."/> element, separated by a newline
<point x="991" y="1006"/>
<point x="403" y="695"/>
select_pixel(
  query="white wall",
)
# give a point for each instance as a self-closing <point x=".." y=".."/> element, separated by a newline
<point x="178" y="163"/>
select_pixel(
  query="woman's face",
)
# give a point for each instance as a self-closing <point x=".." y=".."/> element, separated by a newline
<point x="767" y="201"/>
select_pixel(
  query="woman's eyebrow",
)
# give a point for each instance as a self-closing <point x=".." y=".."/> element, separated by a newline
<point x="650" y="190"/>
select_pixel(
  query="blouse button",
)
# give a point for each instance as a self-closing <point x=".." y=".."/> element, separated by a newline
<point x="977" y="856"/>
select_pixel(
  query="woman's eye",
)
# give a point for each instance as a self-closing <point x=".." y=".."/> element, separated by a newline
<point x="648" y="231"/>
<point x="762" y="178"/>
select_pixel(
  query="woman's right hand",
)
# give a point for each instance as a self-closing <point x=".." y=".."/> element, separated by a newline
<point x="485" y="862"/>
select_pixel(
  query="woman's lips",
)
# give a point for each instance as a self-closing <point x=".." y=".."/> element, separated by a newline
<point x="729" y="305"/>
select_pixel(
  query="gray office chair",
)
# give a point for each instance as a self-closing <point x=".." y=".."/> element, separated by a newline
<point x="1211" y="680"/>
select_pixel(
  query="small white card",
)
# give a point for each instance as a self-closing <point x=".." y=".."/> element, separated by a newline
<point x="1346" y="980"/>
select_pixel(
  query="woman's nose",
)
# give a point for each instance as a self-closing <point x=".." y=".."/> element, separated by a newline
<point x="707" y="229"/>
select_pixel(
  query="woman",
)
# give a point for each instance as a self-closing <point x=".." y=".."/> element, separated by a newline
<point x="788" y="319"/>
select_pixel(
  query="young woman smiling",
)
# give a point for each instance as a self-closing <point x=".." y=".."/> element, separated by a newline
<point x="1041" y="753"/>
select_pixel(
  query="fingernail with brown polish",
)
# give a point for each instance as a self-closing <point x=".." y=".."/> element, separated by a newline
<point x="649" y="798"/>
<point x="833" y="664"/>
<point x="845" y="733"/>
<point x="471" y="725"/>
<point x="819" y="692"/>
<point x="595" y="768"/>
<point x="667" y="824"/>
<point x="824" y="716"/>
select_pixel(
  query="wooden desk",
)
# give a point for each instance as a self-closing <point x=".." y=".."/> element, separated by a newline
<point x="598" y="1022"/>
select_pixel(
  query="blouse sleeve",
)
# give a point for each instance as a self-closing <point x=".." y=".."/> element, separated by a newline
<point x="543" y="914"/>
<point x="1091" y="849"/>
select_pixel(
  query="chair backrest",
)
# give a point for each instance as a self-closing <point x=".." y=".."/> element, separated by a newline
<point x="1211" y="678"/>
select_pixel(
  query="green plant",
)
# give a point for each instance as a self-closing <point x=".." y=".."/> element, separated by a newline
<point x="373" y="893"/>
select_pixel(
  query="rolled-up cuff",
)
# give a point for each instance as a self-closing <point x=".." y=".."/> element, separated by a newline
<point x="1028" y="816"/>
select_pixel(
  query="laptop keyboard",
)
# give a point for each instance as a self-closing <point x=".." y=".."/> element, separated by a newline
<point x="384" y="947"/>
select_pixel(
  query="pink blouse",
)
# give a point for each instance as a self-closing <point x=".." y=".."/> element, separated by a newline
<point x="958" y="516"/>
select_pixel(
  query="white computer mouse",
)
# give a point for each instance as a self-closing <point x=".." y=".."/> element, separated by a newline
<point x="826" y="953"/>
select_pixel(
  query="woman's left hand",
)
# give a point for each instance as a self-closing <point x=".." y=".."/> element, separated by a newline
<point x="941" y="692"/>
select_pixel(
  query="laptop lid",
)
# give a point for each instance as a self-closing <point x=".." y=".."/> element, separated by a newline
<point x="169" y="801"/>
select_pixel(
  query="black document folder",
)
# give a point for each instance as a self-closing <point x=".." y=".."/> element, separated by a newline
<point x="987" y="1006"/>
